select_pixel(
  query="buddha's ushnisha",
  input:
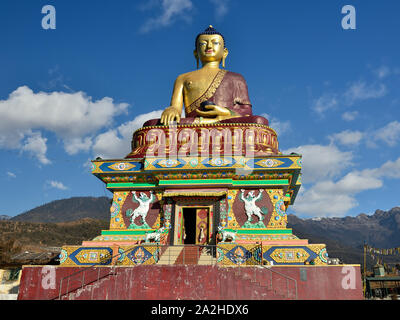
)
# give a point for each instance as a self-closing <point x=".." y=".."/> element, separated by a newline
<point x="209" y="94"/>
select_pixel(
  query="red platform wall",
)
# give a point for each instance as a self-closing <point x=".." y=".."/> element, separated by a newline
<point x="197" y="282"/>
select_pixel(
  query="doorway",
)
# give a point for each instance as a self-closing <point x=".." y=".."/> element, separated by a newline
<point x="189" y="225"/>
<point x="192" y="225"/>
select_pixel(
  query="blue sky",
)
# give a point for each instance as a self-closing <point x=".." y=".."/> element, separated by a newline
<point x="70" y="94"/>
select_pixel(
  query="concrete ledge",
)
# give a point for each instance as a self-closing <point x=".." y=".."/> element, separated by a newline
<point x="199" y="282"/>
<point x="9" y="296"/>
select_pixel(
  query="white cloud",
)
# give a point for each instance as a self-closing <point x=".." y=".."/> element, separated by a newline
<point x="75" y="145"/>
<point x="221" y="8"/>
<point x="116" y="143"/>
<point x="360" y="90"/>
<point x="35" y="145"/>
<point x="11" y="174"/>
<point x="314" y="203"/>
<point x="326" y="198"/>
<point x="56" y="80"/>
<point x="349" y="115"/>
<point x="110" y="144"/>
<point x="56" y="185"/>
<point x="347" y="137"/>
<point x="69" y="115"/>
<point x="72" y="117"/>
<point x="390" y="169"/>
<point x="324" y="103"/>
<point x="171" y="11"/>
<point x="382" y="72"/>
<point x="321" y="162"/>
<point x="355" y="92"/>
<point x="389" y="134"/>
<point x="149" y="4"/>
<point x="280" y="127"/>
<point x="329" y="198"/>
<point x="355" y="182"/>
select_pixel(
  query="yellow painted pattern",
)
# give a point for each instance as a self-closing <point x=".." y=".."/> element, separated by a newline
<point x="277" y="221"/>
<point x="227" y="162"/>
<point x="117" y="220"/>
<point x="138" y="255"/>
<point x="239" y="254"/>
<point x="232" y="222"/>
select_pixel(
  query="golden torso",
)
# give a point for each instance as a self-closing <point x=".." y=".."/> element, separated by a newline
<point x="191" y="86"/>
<point x="192" y="89"/>
<point x="196" y="83"/>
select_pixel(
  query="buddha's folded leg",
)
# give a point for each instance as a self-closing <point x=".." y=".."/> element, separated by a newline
<point x="152" y="122"/>
<point x="247" y="119"/>
<point x="190" y="120"/>
<point x="157" y="122"/>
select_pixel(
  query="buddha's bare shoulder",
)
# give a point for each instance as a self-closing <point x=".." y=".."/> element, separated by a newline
<point x="188" y="75"/>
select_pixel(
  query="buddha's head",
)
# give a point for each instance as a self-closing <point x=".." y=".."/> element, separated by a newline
<point x="210" y="46"/>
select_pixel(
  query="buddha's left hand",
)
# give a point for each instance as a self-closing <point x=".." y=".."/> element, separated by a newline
<point x="213" y="111"/>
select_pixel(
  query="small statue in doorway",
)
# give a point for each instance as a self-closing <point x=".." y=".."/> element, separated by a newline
<point x="202" y="236"/>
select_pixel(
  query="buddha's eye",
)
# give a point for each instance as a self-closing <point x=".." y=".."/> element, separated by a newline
<point x="216" y="43"/>
<point x="202" y="44"/>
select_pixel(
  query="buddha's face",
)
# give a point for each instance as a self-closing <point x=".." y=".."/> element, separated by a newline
<point x="210" y="47"/>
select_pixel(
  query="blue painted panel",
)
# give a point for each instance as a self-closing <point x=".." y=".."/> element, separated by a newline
<point x="219" y="162"/>
<point x="105" y="167"/>
<point x="267" y="254"/>
<point x="72" y="256"/>
<point x="169" y="163"/>
<point x="259" y="163"/>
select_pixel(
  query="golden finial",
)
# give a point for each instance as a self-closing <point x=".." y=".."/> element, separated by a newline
<point x="210" y="26"/>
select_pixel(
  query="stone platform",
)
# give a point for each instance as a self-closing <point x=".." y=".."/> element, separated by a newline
<point x="207" y="282"/>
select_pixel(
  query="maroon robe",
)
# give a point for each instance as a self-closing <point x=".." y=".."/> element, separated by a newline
<point x="229" y="90"/>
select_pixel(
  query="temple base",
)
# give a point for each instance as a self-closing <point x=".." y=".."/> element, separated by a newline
<point x="250" y="247"/>
<point x="339" y="282"/>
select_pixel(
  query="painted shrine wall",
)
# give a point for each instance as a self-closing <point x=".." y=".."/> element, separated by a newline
<point x="253" y="209"/>
<point x="140" y="212"/>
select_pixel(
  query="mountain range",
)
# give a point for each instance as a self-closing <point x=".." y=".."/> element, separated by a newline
<point x="381" y="229"/>
<point x="65" y="210"/>
<point x="344" y="237"/>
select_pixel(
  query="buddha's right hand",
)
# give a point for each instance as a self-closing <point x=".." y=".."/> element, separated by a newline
<point x="170" y="114"/>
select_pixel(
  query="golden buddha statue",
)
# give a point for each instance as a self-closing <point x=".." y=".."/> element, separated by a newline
<point x="210" y="94"/>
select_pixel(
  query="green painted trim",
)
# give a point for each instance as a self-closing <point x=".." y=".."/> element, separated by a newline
<point x="130" y="185"/>
<point x="239" y="231"/>
<point x="195" y="182"/>
<point x="199" y="182"/>
<point x="261" y="231"/>
<point x="125" y="232"/>
<point x="260" y="182"/>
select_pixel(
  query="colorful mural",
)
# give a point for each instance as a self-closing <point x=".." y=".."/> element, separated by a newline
<point x="239" y="200"/>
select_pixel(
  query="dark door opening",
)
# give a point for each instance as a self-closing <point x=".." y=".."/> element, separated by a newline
<point x="189" y="222"/>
